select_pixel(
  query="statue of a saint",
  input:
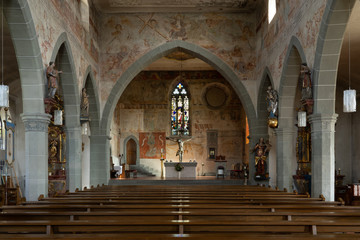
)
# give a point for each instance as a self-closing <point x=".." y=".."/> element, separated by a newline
<point x="84" y="106"/>
<point x="261" y="150"/>
<point x="272" y="99"/>
<point x="305" y="80"/>
<point x="52" y="74"/>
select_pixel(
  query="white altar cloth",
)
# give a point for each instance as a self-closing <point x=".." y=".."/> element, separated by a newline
<point x="189" y="170"/>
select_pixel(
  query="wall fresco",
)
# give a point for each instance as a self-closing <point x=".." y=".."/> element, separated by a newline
<point x="52" y="18"/>
<point x="144" y="107"/>
<point x="125" y="38"/>
<point x="151" y="144"/>
<point x="293" y="18"/>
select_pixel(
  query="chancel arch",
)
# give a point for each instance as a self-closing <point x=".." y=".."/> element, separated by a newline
<point x="163" y="50"/>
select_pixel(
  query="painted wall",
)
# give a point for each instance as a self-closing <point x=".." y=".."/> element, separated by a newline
<point x="293" y="18"/>
<point x="144" y="107"/>
<point x="51" y="18"/>
<point x="125" y="38"/>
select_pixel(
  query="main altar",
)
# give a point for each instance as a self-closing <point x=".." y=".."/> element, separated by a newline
<point x="180" y="169"/>
<point x="188" y="169"/>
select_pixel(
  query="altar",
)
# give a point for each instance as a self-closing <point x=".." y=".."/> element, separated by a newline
<point x="189" y="170"/>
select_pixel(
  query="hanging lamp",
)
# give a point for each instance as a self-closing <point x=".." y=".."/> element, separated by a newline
<point x="4" y="89"/>
<point x="350" y="94"/>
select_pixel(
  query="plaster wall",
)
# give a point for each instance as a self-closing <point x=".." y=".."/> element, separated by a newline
<point x="125" y="38"/>
<point x="52" y="18"/>
<point x="145" y="107"/>
<point x="293" y="18"/>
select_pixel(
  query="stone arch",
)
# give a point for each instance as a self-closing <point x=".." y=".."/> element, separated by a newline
<point x="68" y="81"/>
<point x="286" y="131"/>
<point x="70" y="92"/>
<point x="137" y="149"/>
<point x="266" y="81"/>
<point x="28" y="54"/>
<point x="89" y="84"/>
<point x="289" y="82"/>
<point x="199" y="52"/>
<point x="94" y="102"/>
<point x="31" y="69"/>
<point x="329" y="42"/>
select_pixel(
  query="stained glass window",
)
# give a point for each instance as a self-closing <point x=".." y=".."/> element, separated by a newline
<point x="180" y="106"/>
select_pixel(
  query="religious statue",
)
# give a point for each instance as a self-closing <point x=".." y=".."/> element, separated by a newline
<point x="180" y="151"/>
<point x="52" y="74"/>
<point x="305" y="80"/>
<point x="84" y="106"/>
<point x="261" y="150"/>
<point x="272" y="99"/>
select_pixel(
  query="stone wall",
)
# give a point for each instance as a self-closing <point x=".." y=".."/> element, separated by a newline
<point x="144" y="107"/>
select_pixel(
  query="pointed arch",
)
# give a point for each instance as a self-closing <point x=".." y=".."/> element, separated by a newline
<point x="266" y="81"/>
<point x="132" y="137"/>
<point x="289" y="81"/>
<point x="163" y="50"/>
<point x="69" y="81"/>
<point x="94" y="102"/>
<point x="27" y="49"/>
<point x="71" y="96"/>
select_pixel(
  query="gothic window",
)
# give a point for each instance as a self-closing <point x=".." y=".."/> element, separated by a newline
<point x="180" y="111"/>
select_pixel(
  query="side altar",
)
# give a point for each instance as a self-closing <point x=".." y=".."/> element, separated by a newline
<point x="188" y="170"/>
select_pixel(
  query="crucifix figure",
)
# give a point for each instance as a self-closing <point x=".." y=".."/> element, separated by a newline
<point x="180" y="142"/>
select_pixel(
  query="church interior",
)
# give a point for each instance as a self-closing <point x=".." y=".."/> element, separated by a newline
<point x="225" y="105"/>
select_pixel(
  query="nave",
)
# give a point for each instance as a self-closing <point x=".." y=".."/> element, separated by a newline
<point x="195" y="212"/>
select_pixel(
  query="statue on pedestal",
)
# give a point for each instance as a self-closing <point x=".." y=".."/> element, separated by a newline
<point x="52" y="74"/>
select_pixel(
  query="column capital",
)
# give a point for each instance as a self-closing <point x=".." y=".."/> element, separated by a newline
<point x="323" y="122"/>
<point x="36" y="122"/>
<point x="285" y="131"/>
<point x="318" y="117"/>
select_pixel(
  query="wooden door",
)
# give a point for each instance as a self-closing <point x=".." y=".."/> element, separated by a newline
<point x="131" y="152"/>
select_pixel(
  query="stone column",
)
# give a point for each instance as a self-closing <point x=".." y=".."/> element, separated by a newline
<point x="73" y="158"/>
<point x="323" y="155"/>
<point x="286" y="157"/>
<point x="99" y="159"/>
<point x="36" y="154"/>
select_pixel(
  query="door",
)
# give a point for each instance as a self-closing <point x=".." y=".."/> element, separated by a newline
<point x="131" y="152"/>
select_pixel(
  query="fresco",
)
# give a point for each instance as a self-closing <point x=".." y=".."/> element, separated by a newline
<point x="151" y="144"/>
<point x="125" y="38"/>
<point x="52" y="18"/>
<point x="293" y="18"/>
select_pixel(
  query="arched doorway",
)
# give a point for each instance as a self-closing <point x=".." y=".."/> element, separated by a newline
<point x="131" y="152"/>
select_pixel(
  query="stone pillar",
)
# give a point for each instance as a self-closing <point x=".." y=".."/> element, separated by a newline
<point x="73" y="158"/>
<point x="323" y="155"/>
<point x="99" y="159"/>
<point x="286" y="157"/>
<point x="36" y="154"/>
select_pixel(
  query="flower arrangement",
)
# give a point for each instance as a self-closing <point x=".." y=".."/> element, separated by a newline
<point x="179" y="167"/>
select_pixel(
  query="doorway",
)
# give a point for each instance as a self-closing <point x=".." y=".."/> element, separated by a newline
<point x="131" y="152"/>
